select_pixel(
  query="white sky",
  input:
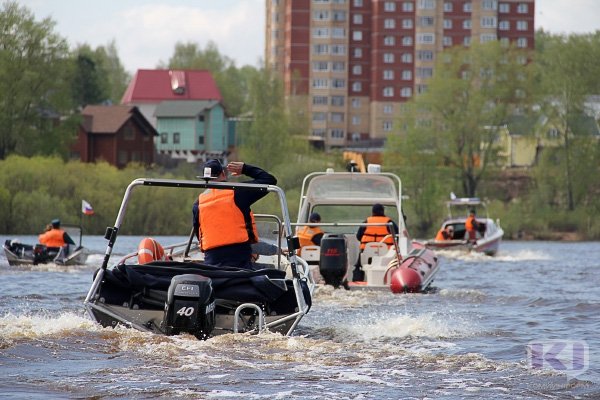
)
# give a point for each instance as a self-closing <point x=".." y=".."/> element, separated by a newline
<point x="146" y="31"/>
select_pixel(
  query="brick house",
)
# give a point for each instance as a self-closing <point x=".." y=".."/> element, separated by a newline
<point x="115" y="134"/>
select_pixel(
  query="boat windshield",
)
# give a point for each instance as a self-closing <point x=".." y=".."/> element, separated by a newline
<point x="352" y="188"/>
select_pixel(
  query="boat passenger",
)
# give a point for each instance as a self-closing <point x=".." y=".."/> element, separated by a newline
<point x="368" y="234"/>
<point x="55" y="237"/>
<point x="445" y="234"/>
<point x="222" y="219"/>
<point x="311" y="235"/>
<point x="472" y="226"/>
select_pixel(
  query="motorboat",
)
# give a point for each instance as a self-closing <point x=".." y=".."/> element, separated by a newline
<point x="489" y="233"/>
<point x="182" y="294"/>
<point x="344" y="200"/>
<point x="18" y="253"/>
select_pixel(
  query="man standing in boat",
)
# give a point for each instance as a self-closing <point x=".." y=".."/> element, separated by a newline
<point x="222" y="219"/>
<point x="472" y="226"/>
<point x="368" y="234"/>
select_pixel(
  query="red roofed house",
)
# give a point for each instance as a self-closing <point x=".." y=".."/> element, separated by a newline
<point x="115" y="134"/>
<point x="185" y="107"/>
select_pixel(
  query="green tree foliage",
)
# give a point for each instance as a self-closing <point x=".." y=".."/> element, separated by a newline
<point x="472" y="93"/>
<point x="33" y="68"/>
<point x="570" y="68"/>
<point x="232" y="82"/>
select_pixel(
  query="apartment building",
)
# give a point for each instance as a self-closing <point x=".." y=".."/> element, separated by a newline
<point x="351" y="64"/>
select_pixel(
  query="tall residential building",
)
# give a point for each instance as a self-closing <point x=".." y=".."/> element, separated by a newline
<point x="353" y="63"/>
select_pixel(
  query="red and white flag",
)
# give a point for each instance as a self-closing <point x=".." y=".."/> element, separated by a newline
<point x="86" y="208"/>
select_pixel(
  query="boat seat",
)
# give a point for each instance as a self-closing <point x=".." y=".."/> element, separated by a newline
<point x="311" y="254"/>
<point x="372" y="249"/>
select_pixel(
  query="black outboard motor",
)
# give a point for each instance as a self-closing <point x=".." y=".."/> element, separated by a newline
<point x="190" y="306"/>
<point x="333" y="264"/>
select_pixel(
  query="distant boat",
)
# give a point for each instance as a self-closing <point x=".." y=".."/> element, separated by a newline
<point x="488" y="236"/>
<point x="18" y="253"/>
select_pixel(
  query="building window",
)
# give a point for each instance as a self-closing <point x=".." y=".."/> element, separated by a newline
<point x="355" y="103"/>
<point x="339" y="16"/>
<point x="320" y="49"/>
<point x="406" y="92"/>
<point x="338" y="49"/>
<point x="320" y="66"/>
<point x="318" y="132"/>
<point x="388" y="58"/>
<point x="389" y="6"/>
<point x="122" y="157"/>
<point x="408" y="6"/>
<point x="467" y="7"/>
<point x="128" y="133"/>
<point x="337" y="117"/>
<point x="504" y="8"/>
<point x="388" y="126"/>
<point x="164" y="138"/>
<point x="447" y="7"/>
<point x="338" y="66"/>
<point x="407" y="41"/>
<point x="426" y="21"/>
<point x="447" y="41"/>
<point x="489" y="4"/>
<point x="358" y="3"/>
<point x="201" y="139"/>
<point x="357" y="35"/>
<point x="467" y="41"/>
<point x="319" y="100"/>
<point x="425" y="55"/>
<point x="388" y="109"/>
<point x="357" y="19"/>
<point x="407" y="23"/>
<point x="424" y="72"/>
<point x="320" y="83"/>
<point x="176" y="138"/>
<point x="355" y="120"/>
<point x="426" y="38"/>
<point x="426" y="4"/>
<point x="522" y="42"/>
<point x="407" y="58"/>
<point x="522" y="8"/>
<point x="337" y="133"/>
<point x="447" y="23"/>
<point x="421" y="89"/>
<point x="389" y="41"/>
<point x="487" y="37"/>
<point x="337" y="101"/>
<point x="521" y="25"/>
<point x="356" y="87"/>
<point x="321" y="15"/>
<point x="467" y="24"/>
<point x="406" y="75"/>
<point x="388" y="74"/>
<point x="338" y="83"/>
<point x="357" y="52"/>
<point x="319" y="116"/>
<point x="504" y="42"/>
<point x="488" y="22"/>
<point x="321" y="32"/>
<point x="504" y="25"/>
<point x="389" y="23"/>
<point x="338" y="33"/>
<point x="388" y="91"/>
<point x="357" y="70"/>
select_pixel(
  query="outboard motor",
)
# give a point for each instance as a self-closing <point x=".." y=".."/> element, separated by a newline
<point x="333" y="264"/>
<point x="190" y="306"/>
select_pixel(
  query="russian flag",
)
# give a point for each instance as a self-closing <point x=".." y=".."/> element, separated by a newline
<point x="86" y="208"/>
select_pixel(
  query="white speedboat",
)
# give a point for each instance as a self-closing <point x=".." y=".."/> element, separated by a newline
<point x="185" y="295"/>
<point x="488" y="236"/>
<point x="344" y="200"/>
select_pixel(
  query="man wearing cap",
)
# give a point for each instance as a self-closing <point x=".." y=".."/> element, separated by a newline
<point x="55" y="237"/>
<point x="368" y="234"/>
<point x="311" y="235"/>
<point x="222" y="219"/>
<point x="472" y="226"/>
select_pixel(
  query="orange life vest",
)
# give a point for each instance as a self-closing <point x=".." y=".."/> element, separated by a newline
<point x="53" y="238"/>
<point x="306" y="233"/>
<point x="221" y="221"/>
<point x="150" y="250"/>
<point x="376" y="233"/>
<point x="442" y="235"/>
<point x="470" y="223"/>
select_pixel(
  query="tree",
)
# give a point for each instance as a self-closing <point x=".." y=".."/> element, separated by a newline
<point x="33" y="66"/>
<point x="570" y="68"/>
<point x="470" y="97"/>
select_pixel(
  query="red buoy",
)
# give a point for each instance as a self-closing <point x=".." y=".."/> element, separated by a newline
<point x="405" y="280"/>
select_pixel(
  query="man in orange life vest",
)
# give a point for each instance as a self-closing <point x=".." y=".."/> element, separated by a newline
<point x="223" y="221"/>
<point x="55" y="237"/>
<point x="445" y="234"/>
<point x="367" y="234"/>
<point x="311" y="235"/>
<point x="472" y="226"/>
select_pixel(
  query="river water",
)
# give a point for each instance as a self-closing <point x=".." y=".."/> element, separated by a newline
<point x="466" y="339"/>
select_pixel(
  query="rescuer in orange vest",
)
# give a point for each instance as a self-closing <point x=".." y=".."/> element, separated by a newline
<point x="223" y="221"/>
<point x="445" y="234"/>
<point x="310" y="235"/>
<point x="55" y="237"/>
<point x="472" y="226"/>
<point x="368" y="234"/>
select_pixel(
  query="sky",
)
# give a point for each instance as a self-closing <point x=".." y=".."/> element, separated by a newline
<point x="146" y="31"/>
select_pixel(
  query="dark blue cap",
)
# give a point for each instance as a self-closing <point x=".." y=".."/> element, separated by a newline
<point x="212" y="168"/>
